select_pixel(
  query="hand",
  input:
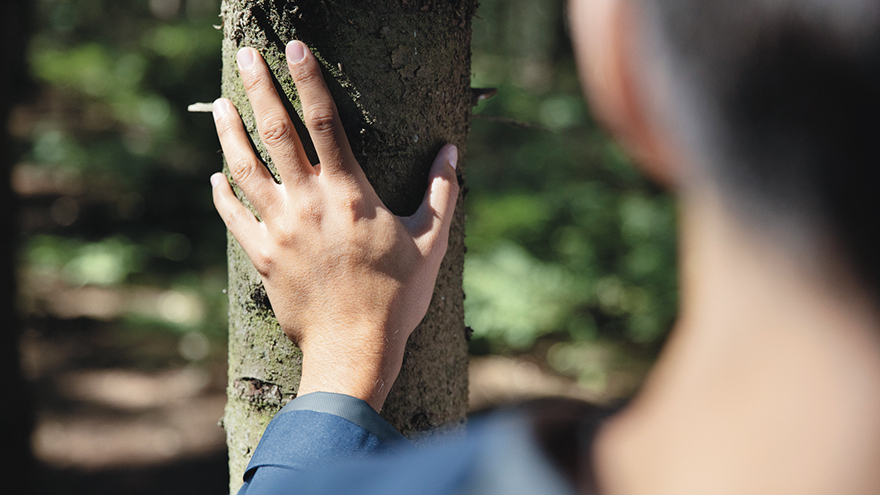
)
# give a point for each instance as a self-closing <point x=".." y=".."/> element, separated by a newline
<point x="347" y="279"/>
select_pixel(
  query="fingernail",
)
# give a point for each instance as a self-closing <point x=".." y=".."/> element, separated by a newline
<point x="215" y="179"/>
<point x="452" y="156"/>
<point x="296" y="52"/>
<point x="221" y="106"/>
<point x="245" y="58"/>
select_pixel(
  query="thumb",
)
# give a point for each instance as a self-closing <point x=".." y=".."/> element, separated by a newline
<point x="431" y="221"/>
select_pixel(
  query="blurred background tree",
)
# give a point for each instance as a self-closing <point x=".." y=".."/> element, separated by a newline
<point x="570" y="274"/>
<point x="16" y="419"/>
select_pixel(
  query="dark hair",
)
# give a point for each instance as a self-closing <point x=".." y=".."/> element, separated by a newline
<point x="790" y="94"/>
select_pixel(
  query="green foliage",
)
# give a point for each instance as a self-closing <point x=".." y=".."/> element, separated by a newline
<point x="514" y="298"/>
<point x="566" y="240"/>
<point x="107" y="262"/>
<point x="121" y="163"/>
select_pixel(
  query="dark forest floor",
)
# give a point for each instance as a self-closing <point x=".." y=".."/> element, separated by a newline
<point x="120" y="411"/>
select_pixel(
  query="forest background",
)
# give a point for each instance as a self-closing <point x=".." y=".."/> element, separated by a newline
<point x="569" y="277"/>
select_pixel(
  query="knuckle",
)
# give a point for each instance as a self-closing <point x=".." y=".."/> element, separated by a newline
<point x="243" y="169"/>
<point x="454" y="187"/>
<point x="353" y="206"/>
<point x="309" y="74"/>
<point x="232" y="218"/>
<point x="310" y="213"/>
<point x="287" y="235"/>
<point x="276" y="132"/>
<point x="263" y="262"/>
<point x="251" y="83"/>
<point x="223" y="129"/>
<point x="321" y="119"/>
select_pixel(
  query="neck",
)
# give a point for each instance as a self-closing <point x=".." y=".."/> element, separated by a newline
<point x="769" y="383"/>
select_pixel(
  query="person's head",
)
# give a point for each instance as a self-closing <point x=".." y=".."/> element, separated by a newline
<point x="774" y="105"/>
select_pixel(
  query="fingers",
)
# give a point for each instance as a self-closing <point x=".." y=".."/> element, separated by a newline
<point x="238" y="219"/>
<point x="273" y="123"/>
<point x="319" y="110"/>
<point x="430" y="224"/>
<point x="247" y="170"/>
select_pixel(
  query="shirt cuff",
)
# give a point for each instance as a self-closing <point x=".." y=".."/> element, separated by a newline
<point x="352" y="409"/>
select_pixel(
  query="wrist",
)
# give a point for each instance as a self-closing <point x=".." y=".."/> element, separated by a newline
<point x="366" y="374"/>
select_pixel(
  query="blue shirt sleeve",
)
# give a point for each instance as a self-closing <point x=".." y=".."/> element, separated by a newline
<point x="333" y="444"/>
<point x="314" y="430"/>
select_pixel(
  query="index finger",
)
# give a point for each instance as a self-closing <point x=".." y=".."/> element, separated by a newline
<point x="274" y="125"/>
<point x="319" y="110"/>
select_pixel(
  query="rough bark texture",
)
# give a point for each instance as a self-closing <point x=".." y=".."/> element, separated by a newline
<point x="16" y="418"/>
<point x="400" y="74"/>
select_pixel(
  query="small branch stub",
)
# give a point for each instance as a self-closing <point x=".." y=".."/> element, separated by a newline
<point x="200" y="108"/>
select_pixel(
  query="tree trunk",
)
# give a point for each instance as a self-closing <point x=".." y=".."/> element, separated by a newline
<point x="399" y="71"/>
<point x="16" y="418"/>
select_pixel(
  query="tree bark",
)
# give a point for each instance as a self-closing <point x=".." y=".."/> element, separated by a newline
<point x="399" y="71"/>
<point x="16" y="419"/>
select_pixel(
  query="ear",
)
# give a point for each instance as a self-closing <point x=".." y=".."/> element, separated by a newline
<point x="605" y="36"/>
